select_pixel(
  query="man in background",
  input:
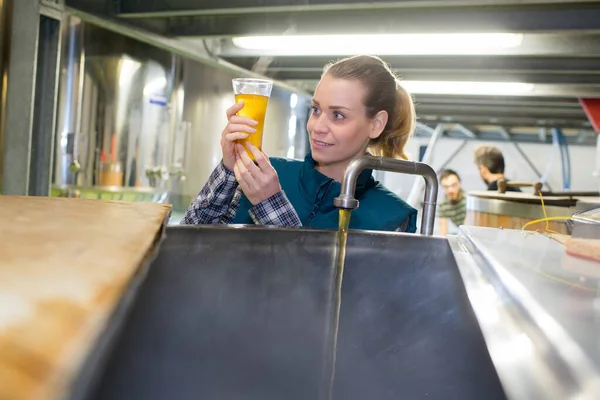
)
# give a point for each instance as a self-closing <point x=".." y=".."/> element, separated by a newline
<point x="490" y="161"/>
<point x="452" y="211"/>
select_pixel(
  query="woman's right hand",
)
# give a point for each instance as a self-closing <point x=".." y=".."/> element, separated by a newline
<point x="237" y="128"/>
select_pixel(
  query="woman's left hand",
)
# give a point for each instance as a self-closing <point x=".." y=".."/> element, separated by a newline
<point x="257" y="182"/>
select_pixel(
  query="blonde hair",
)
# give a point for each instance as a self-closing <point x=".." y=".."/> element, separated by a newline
<point x="384" y="93"/>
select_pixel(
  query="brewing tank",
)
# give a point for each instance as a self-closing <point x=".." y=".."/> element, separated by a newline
<point x="114" y="120"/>
<point x="136" y="122"/>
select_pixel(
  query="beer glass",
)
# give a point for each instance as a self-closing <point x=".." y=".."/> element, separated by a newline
<point x="255" y="94"/>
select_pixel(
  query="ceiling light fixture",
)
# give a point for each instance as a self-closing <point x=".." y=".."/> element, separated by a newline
<point x="452" y="87"/>
<point x="468" y="88"/>
<point x="381" y="44"/>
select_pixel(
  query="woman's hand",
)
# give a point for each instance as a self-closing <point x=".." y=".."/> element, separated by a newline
<point x="237" y="128"/>
<point x="257" y="182"/>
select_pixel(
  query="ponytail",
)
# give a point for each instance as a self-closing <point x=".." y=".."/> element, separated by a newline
<point x="392" y="140"/>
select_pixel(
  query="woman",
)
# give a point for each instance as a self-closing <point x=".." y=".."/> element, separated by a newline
<point x="358" y="107"/>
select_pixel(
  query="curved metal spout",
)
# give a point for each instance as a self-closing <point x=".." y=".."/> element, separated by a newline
<point x="346" y="199"/>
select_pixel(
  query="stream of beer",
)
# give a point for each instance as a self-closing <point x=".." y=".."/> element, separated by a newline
<point x="335" y="305"/>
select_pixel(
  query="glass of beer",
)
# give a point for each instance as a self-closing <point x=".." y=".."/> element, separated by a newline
<point x="255" y="94"/>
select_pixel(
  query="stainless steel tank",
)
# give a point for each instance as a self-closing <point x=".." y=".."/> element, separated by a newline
<point x="114" y="121"/>
<point x="135" y="120"/>
<point x="242" y="313"/>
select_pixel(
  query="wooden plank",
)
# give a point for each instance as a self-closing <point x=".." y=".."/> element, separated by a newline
<point x="478" y="218"/>
<point x="64" y="264"/>
<point x="584" y="248"/>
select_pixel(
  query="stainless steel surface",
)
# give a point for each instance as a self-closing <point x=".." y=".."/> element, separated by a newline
<point x="180" y="130"/>
<point x="53" y="9"/>
<point x="199" y="114"/>
<point x="213" y="323"/>
<point x="23" y="41"/>
<point x="135" y="116"/>
<point x="523" y="377"/>
<point x="572" y="193"/>
<point x="114" y="119"/>
<point x="70" y="101"/>
<point x="538" y="309"/>
<point x="149" y="118"/>
<point x="5" y="34"/>
<point x="45" y="105"/>
<point x="29" y="44"/>
<point x="586" y="221"/>
<point x="346" y="198"/>
<point x="514" y="208"/>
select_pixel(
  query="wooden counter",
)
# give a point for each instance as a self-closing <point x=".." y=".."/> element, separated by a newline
<point x="64" y="264"/>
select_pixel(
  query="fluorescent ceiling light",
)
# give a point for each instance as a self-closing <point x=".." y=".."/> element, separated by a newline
<point x="392" y="44"/>
<point x="453" y="87"/>
<point x="468" y="88"/>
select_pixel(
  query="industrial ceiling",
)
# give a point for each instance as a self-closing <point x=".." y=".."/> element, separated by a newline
<point x="558" y="56"/>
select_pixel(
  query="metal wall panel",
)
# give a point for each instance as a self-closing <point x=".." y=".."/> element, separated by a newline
<point x="30" y="43"/>
<point x="44" y="116"/>
<point x="5" y="34"/>
<point x="22" y="65"/>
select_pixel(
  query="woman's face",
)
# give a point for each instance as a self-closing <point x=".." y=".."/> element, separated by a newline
<point x="338" y="126"/>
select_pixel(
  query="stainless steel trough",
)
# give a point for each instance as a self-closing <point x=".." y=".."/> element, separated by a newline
<point x="241" y="313"/>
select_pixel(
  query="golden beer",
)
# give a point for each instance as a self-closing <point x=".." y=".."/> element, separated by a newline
<point x="255" y="107"/>
<point x="255" y="94"/>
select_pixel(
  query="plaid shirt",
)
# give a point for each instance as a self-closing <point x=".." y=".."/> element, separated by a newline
<point x="219" y="200"/>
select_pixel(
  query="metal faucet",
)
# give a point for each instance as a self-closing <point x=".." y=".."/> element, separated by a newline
<point x="346" y="198"/>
